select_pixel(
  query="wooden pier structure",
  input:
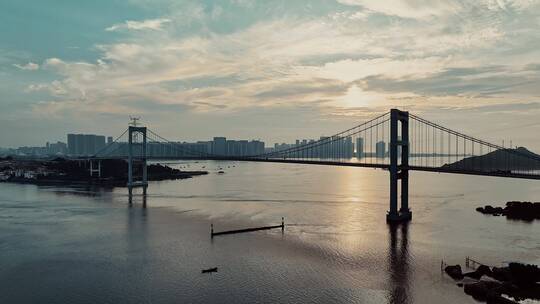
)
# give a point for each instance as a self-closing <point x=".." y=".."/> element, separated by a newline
<point x="212" y="233"/>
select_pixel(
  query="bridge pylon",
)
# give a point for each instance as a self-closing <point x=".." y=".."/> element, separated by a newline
<point x="135" y="131"/>
<point x="399" y="166"/>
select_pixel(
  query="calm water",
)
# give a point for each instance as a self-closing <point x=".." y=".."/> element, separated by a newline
<point x="65" y="245"/>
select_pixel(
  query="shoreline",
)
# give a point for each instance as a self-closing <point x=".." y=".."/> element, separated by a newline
<point x="99" y="182"/>
<point x="60" y="171"/>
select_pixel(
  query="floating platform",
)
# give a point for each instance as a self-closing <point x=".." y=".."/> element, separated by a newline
<point x="212" y="233"/>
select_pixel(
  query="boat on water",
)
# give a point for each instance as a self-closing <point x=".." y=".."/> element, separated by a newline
<point x="208" y="270"/>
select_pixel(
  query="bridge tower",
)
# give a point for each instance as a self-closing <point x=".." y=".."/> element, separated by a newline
<point x="134" y="131"/>
<point x="399" y="166"/>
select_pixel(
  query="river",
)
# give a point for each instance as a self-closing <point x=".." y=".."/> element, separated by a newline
<point x="88" y="245"/>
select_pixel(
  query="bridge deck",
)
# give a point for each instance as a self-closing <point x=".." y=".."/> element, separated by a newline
<point x="350" y="164"/>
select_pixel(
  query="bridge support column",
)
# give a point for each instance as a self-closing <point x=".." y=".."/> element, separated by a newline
<point x="144" y="169"/>
<point x="98" y="170"/>
<point x="141" y="158"/>
<point x="91" y="169"/>
<point x="130" y="163"/>
<point x="399" y="148"/>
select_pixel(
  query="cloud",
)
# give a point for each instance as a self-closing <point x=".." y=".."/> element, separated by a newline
<point x="426" y="9"/>
<point x="509" y="4"/>
<point x="206" y="64"/>
<point x="487" y="81"/>
<point x="406" y="8"/>
<point x="150" y="24"/>
<point x="350" y="70"/>
<point x="331" y="63"/>
<point x="30" y="66"/>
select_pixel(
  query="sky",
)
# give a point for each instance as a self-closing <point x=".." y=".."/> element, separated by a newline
<point x="271" y="70"/>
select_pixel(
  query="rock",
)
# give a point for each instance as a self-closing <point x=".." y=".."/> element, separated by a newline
<point x="473" y="274"/>
<point x="498" y="299"/>
<point x="484" y="270"/>
<point x="517" y="282"/>
<point x="498" y="210"/>
<point x="481" y="290"/>
<point x="525" y="211"/>
<point x="468" y="280"/>
<point x="488" y="209"/>
<point x="522" y="210"/>
<point x="502" y="274"/>
<point x="479" y="272"/>
<point x="519" y="293"/>
<point x="524" y="275"/>
<point x="454" y="272"/>
<point x="488" y="278"/>
<point x="509" y="289"/>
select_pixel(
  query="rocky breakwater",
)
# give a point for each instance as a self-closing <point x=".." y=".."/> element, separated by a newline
<point x="515" y="282"/>
<point x="526" y="211"/>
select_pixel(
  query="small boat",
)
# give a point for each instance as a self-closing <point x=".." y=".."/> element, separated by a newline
<point x="209" y="270"/>
<point x="221" y="172"/>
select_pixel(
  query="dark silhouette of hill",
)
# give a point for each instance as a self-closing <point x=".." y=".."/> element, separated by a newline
<point x="499" y="160"/>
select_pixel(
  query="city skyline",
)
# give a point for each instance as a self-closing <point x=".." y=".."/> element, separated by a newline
<point x="193" y="68"/>
<point x="77" y="144"/>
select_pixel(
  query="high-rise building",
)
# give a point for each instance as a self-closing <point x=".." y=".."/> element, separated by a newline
<point x="89" y="144"/>
<point x="84" y="144"/>
<point x="79" y="144"/>
<point x="99" y="143"/>
<point x="243" y="147"/>
<point x="324" y="149"/>
<point x="348" y="148"/>
<point x="71" y="144"/>
<point x="255" y="147"/>
<point x="219" y="146"/>
<point x="56" y="148"/>
<point x="380" y="149"/>
<point x="359" y="147"/>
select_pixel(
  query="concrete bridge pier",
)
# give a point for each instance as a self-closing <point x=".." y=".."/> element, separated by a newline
<point x="399" y="150"/>
<point x="134" y="130"/>
<point x="93" y="170"/>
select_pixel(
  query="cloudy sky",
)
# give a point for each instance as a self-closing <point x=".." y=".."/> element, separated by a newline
<point x="274" y="70"/>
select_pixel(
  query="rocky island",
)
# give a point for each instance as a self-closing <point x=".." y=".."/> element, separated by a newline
<point x="515" y="282"/>
<point x="501" y="160"/>
<point x="68" y="171"/>
<point x="526" y="211"/>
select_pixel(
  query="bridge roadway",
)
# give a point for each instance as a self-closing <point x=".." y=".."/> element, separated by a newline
<point x="347" y="164"/>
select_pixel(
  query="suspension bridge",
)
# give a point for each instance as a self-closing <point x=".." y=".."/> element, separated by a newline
<point x="396" y="141"/>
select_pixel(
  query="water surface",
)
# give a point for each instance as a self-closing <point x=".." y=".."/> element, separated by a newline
<point x="68" y="245"/>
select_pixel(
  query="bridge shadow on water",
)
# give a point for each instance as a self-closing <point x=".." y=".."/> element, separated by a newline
<point x="398" y="264"/>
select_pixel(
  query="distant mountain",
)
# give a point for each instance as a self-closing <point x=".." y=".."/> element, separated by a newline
<point x="499" y="160"/>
